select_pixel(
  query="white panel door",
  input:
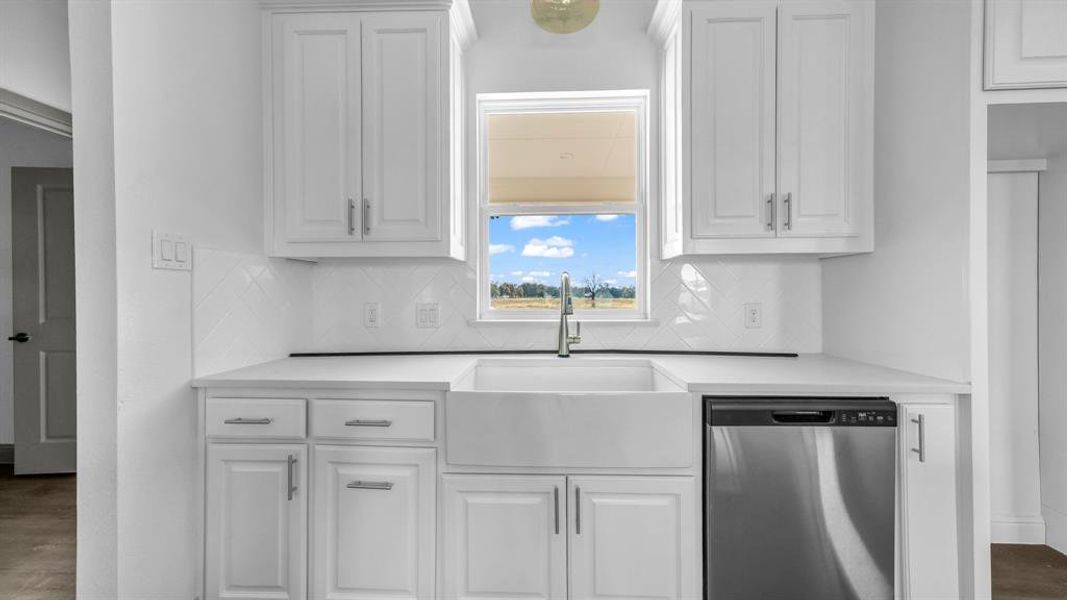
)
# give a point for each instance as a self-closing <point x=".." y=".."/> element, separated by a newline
<point x="317" y="139"/>
<point x="821" y="97"/>
<point x="633" y="537"/>
<point x="1026" y="44"/>
<point x="504" y="537"/>
<point x="928" y="489"/>
<point x="405" y="116"/>
<point x="373" y="523"/>
<point x="256" y="542"/>
<point x="733" y="120"/>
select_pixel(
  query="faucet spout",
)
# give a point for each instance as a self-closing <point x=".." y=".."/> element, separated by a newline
<point x="566" y="307"/>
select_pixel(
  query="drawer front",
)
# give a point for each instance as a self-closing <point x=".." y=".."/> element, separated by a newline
<point x="373" y="419"/>
<point x="256" y="417"/>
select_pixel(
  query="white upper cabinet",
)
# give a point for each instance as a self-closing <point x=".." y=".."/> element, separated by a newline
<point x="364" y="132"/>
<point x="769" y="147"/>
<point x="404" y="118"/>
<point x="824" y="152"/>
<point x="1025" y="44"/>
<point x="732" y="123"/>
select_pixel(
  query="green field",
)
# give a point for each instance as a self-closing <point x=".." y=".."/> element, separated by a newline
<point x="553" y="303"/>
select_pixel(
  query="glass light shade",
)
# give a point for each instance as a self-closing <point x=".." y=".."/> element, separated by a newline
<point x="564" y="16"/>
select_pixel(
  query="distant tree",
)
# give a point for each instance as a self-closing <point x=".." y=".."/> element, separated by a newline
<point x="595" y="286"/>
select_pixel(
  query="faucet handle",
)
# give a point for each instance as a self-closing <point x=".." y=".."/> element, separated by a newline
<point x="577" y="337"/>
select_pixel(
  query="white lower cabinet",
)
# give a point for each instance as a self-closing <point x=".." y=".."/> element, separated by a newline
<point x="373" y="523"/>
<point x="256" y="544"/>
<point x="623" y="537"/>
<point x="928" y="502"/>
<point x="505" y="536"/>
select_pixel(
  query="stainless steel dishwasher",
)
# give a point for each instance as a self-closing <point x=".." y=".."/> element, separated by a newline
<point x="800" y="499"/>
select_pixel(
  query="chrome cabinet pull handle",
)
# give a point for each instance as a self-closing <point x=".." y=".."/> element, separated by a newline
<point x="292" y="476"/>
<point x="351" y="217"/>
<point x="555" y="499"/>
<point x="369" y="423"/>
<point x="366" y="216"/>
<point x="577" y="510"/>
<point x="789" y="211"/>
<point x="370" y="485"/>
<point x="770" y="212"/>
<point x="920" y="420"/>
<point x="244" y="421"/>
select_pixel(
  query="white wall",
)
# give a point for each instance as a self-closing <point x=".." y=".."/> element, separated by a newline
<point x="696" y="304"/>
<point x="20" y="146"/>
<point x="34" y="50"/>
<point x="1052" y="299"/>
<point x="1015" y="480"/>
<point x="906" y="305"/>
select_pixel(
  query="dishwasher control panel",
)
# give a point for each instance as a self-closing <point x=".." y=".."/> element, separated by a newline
<point x="870" y="418"/>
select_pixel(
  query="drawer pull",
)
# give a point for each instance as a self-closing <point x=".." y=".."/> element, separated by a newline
<point x="244" y="421"/>
<point x="370" y="485"/>
<point x="369" y="423"/>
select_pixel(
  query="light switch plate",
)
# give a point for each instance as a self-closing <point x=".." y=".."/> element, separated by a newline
<point x="171" y="252"/>
<point x="427" y="315"/>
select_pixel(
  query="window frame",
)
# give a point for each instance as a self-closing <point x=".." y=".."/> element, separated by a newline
<point x="539" y="102"/>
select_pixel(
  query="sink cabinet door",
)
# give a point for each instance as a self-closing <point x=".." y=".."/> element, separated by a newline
<point x="256" y="522"/>
<point x="373" y="523"/>
<point x="633" y="537"/>
<point x="504" y="537"/>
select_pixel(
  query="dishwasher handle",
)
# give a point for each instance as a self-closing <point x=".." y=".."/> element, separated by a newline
<point x="803" y="416"/>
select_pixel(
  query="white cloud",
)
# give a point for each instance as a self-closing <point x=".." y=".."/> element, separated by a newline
<point x="606" y="217"/>
<point x="531" y="221"/>
<point x="529" y="279"/>
<point x="630" y="274"/>
<point x="553" y="247"/>
<point x="610" y="281"/>
<point x="540" y="273"/>
<point x="495" y="249"/>
<point x="516" y="273"/>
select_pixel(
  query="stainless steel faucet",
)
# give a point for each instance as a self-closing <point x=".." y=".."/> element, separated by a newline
<point x="566" y="307"/>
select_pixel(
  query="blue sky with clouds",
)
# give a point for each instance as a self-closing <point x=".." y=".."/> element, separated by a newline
<point x="540" y="247"/>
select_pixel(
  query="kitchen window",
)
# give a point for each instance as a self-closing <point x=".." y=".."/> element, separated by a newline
<point x="562" y="187"/>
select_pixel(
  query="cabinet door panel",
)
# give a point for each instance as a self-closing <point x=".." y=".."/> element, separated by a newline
<point x="373" y="530"/>
<point x="1026" y="44"/>
<point x="501" y="538"/>
<point x="929" y="537"/>
<point x="733" y="115"/>
<point x="316" y="78"/>
<point x="404" y="118"/>
<point x="256" y="531"/>
<point x="821" y="92"/>
<point x="633" y="537"/>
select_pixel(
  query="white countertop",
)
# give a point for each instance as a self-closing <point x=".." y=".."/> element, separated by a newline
<point x="807" y="374"/>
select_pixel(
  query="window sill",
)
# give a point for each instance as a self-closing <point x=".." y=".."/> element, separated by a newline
<point x="543" y="321"/>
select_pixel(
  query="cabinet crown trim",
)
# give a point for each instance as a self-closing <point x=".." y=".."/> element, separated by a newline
<point x="357" y="5"/>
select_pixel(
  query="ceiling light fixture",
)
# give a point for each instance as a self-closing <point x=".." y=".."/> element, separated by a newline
<point x="564" y="16"/>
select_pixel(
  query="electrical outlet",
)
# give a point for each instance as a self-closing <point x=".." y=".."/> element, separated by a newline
<point x="427" y="315"/>
<point x="372" y="315"/>
<point x="753" y="315"/>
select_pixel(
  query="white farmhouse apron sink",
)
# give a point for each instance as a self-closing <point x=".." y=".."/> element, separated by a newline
<point x="574" y="412"/>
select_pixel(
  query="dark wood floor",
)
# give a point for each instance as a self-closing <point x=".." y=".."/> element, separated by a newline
<point x="37" y="536"/>
<point x="1028" y="573"/>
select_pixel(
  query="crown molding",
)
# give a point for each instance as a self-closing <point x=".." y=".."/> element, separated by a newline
<point x="31" y="112"/>
<point x="665" y="20"/>
<point x="462" y="23"/>
<point x="355" y="5"/>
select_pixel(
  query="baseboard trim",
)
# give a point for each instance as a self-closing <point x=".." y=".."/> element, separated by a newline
<point x="1018" y="529"/>
<point x="7" y="454"/>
